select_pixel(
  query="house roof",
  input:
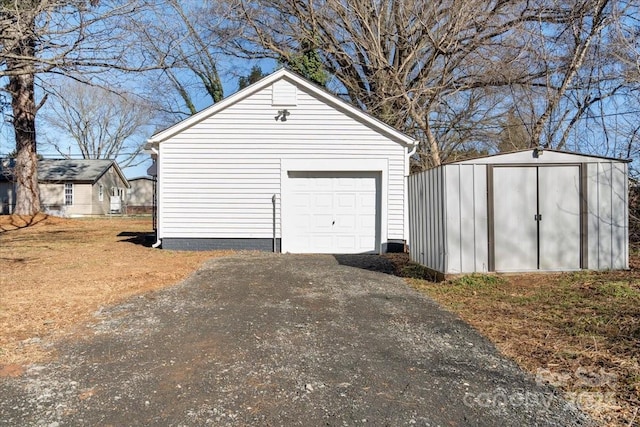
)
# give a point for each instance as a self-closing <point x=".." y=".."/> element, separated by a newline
<point x="284" y="74"/>
<point x="85" y="171"/>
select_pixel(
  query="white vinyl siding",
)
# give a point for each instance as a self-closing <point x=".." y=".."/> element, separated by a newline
<point x="219" y="175"/>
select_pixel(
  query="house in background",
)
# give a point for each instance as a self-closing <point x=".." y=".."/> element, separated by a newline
<point x="140" y="195"/>
<point x="72" y="187"/>
<point x="282" y="165"/>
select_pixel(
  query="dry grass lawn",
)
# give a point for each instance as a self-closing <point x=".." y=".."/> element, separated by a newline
<point x="578" y="331"/>
<point x="55" y="273"/>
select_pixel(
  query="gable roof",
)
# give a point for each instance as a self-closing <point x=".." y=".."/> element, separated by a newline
<point x="58" y="170"/>
<point x="284" y="74"/>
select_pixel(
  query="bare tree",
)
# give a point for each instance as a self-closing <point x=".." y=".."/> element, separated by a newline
<point x="102" y="124"/>
<point x="54" y="36"/>
<point x="413" y="64"/>
<point x="583" y="23"/>
<point x="448" y="71"/>
<point x="181" y="34"/>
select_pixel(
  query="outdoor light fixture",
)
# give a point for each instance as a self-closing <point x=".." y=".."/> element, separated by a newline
<point x="282" y="115"/>
<point x="537" y="152"/>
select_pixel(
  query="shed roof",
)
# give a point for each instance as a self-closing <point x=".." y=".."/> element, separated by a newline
<point x="284" y="74"/>
<point x="537" y="155"/>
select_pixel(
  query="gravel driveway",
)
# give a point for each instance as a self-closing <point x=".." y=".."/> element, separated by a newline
<point x="264" y="339"/>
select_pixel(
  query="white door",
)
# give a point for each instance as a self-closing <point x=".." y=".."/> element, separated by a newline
<point x="536" y="220"/>
<point x="559" y="204"/>
<point x="331" y="212"/>
<point x="515" y="228"/>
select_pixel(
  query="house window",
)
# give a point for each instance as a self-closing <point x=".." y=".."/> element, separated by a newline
<point x="100" y="193"/>
<point x="68" y="194"/>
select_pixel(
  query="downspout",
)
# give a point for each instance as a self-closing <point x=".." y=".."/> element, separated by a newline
<point x="158" y="241"/>
<point x="273" y="202"/>
<point x="409" y="154"/>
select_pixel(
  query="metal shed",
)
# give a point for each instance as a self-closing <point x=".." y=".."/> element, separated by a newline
<point x="531" y="210"/>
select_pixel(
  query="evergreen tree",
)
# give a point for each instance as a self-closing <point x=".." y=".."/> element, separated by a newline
<point x="254" y="75"/>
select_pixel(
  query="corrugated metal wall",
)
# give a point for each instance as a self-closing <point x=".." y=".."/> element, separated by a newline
<point x="427" y="219"/>
<point x="608" y="215"/>
<point x="466" y="229"/>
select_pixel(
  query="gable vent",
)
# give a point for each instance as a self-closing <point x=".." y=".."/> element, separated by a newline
<point x="284" y="94"/>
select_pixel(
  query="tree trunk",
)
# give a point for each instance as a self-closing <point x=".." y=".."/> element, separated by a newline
<point x="22" y="90"/>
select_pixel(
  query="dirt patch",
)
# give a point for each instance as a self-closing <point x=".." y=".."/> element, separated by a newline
<point x="57" y="272"/>
<point x="11" y="371"/>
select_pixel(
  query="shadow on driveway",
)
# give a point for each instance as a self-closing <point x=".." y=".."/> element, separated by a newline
<point x="366" y="262"/>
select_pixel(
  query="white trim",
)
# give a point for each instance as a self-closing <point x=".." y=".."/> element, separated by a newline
<point x="71" y="186"/>
<point x="159" y="193"/>
<point x="334" y="165"/>
<point x="318" y="92"/>
<point x="409" y="151"/>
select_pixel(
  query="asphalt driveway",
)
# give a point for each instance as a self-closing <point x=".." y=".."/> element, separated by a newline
<point x="264" y="339"/>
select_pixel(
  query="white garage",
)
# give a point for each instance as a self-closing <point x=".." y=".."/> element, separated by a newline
<point x="282" y="165"/>
<point x="532" y="210"/>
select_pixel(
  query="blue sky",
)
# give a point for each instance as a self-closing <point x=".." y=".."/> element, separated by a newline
<point x="229" y="69"/>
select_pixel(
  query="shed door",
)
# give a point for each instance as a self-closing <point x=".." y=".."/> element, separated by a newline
<point x="515" y="230"/>
<point x="332" y="212"/>
<point x="536" y="218"/>
<point x="559" y="200"/>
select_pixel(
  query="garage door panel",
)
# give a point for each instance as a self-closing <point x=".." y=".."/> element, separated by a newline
<point x="303" y="201"/>
<point x="346" y="201"/>
<point x="320" y="223"/>
<point x="367" y="200"/>
<point x="323" y="243"/>
<point x="332" y="212"/>
<point x="323" y="200"/>
<point x="346" y="184"/>
<point x="345" y="242"/>
<point x="368" y="221"/>
<point x="346" y="223"/>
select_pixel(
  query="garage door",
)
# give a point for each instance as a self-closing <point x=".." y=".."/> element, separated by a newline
<point x="332" y="212"/>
